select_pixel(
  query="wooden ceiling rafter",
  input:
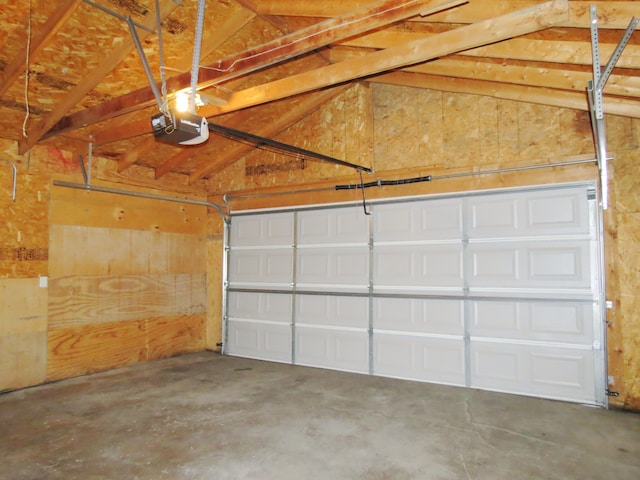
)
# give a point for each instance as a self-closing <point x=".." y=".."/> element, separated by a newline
<point x="617" y="13"/>
<point x="290" y="46"/>
<point x="457" y="66"/>
<point x="563" y="52"/>
<point x="453" y="41"/>
<point x="75" y="95"/>
<point x="37" y="43"/>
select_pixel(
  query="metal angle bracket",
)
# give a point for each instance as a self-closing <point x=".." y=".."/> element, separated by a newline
<point x="595" y="88"/>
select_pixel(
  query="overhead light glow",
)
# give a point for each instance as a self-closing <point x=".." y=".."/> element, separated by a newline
<point x="182" y="101"/>
<point x="183" y="98"/>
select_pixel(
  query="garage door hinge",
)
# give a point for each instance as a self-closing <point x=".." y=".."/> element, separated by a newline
<point x="611" y="393"/>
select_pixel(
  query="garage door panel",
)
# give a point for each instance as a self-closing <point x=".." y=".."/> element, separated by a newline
<point x="415" y="221"/>
<point x="419" y="358"/>
<point x="545" y="212"/>
<point x="331" y="310"/>
<point x="262" y="230"/>
<point x="420" y="267"/>
<point x="338" y="267"/>
<point x="262" y="340"/>
<point x="260" y="306"/>
<point x="261" y="267"/>
<point x="531" y="265"/>
<point x="334" y="226"/>
<point x="560" y="264"/>
<point x="419" y="315"/>
<point x="567" y="322"/>
<point x="560" y="210"/>
<point x="541" y="370"/>
<point x="332" y="348"/>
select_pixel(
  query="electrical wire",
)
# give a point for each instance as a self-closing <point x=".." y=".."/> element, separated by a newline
<point x="26" y="75"/>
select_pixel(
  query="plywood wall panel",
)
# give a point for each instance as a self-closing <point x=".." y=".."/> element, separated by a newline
<point x="91" y="299"/>
<point x="24" y="236"/>
<point x="462" y="130"/>
<point x="86" y="250"/>
<point x="79" y="350"/>
<point x="489" y="145"/>
<point x="358" y="127"/>
<point x="23" y="327"/>
<point x="627" y="319"/>
<point x="431" y="135"/>
<point x="630" y="327"/>
<point x="97" y="209"/>
<point x="22" y="360"/>
<point x="167" y="336"/>
<point x="507" y="131"/>
<point x="625" y="180"/>
<point x="85" y="349"/>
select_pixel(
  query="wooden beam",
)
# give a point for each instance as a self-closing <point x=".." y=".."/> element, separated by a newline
<point x="174" y="161"/>
<point x="470" y="36"/>
<point x="144" y="96"/>
<point x="290" y="117"/>
<point x="363" y="19"/>
<point x="541" y="96"/>
<point x="615" y="13"/>
<point x="132" y="155"/>
<point x="74" y="96"/>
<point x="37" y="43"/>
<point x="536" y="75"/>
<point x="571" y="52"/>
<point x="124" y="131"/>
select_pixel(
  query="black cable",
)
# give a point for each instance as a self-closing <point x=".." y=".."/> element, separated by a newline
<point x="382" y="183"/>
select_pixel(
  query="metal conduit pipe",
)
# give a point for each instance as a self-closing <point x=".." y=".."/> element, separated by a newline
<point x="227" y="197"/>
<point x="15" y="177"/>
<point x="153" y="196"/>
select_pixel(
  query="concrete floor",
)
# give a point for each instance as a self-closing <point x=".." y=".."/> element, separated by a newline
<point x="205" y="416"/>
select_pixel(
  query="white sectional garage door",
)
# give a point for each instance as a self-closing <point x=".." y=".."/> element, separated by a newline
<point x="498" y="291"/>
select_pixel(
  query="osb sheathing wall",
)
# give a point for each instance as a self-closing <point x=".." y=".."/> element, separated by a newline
<point x="92" y="281"/>
<point x="404" y="132"/>
<point x="24" y="249"/>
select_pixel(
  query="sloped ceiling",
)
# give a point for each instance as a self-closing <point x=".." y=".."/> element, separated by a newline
<point x="86" y="82"/>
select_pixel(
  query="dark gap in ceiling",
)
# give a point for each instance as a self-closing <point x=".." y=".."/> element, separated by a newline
<point x="131" y="6"/>
<point x="21" y="106"/>
<point x="174" y="26"/>
<point x="63" y="85"/>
